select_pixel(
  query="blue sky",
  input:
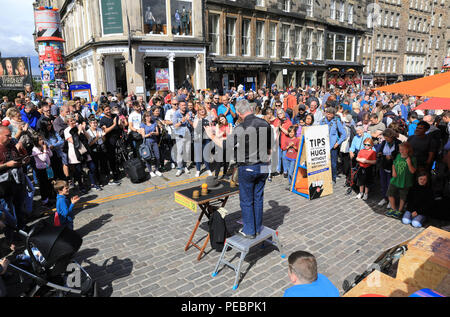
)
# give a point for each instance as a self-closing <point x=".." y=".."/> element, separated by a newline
<point x="16" y="31"/>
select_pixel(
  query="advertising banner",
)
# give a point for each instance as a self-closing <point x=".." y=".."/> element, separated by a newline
<point x="312" y="176"/>
<point x="15" y="73"/>
<point x="48" y="25"/>
<point x="162" y="78"/>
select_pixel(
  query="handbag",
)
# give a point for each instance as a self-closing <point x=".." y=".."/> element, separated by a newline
<point x="56" y="221"/>
<point x="50" y="173"/>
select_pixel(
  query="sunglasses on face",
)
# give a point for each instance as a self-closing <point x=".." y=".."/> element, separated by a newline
<point x="367" y="144"/>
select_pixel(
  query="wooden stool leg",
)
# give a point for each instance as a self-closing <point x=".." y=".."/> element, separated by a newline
<point x="203" y="248"/>
<point x="192" y="236"/>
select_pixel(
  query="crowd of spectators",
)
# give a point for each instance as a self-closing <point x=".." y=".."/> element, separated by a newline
<point x="398" y="150"/>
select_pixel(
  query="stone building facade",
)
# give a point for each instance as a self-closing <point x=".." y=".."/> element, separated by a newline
<point x="290" y="43"/>
<point x="165" y="39"/>
<point x="407" y="42"/>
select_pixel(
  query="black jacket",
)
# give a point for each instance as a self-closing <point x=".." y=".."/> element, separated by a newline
<point x="252" y="140"/>
<point x="217" y="230"/>
<point x="384" y="162"/>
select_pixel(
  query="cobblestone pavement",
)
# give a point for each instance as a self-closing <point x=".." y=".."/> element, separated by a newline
<point x="134" y="243"/>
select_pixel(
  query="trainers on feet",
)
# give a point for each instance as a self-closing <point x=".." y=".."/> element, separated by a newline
<point x="152" y="174"/>
<point x="209" y="173"/>
<point x="388" y="206"/>
<point x="382" y="202"/>
<point x="158" y="173"/>
<point x="359" y="196"/>
<point x="113" y="182"/>
<point x="186" y="170"/>
<point x="197" y="174"/>
<point x="179" y="172"/>
<point x="390" y="212"/>
<point x="397" y="214"/>
<point x="365" y="196"/>
<point x="173" y="166"/>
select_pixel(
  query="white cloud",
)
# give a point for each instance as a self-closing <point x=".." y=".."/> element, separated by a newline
<point x="17" y="28"/>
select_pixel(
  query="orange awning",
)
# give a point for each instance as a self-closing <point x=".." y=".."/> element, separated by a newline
<point x="431" y="86"/>
<point x="435" y="104"/>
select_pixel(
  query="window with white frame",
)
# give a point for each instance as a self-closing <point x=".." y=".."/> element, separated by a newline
<point x="384" y="42"/>
<point x="369" y="45"/>
<point x="378" y="41"/>
<point x="245" y="37"/>
<point x="440" y="21"/>
<point x="388" y="66"/>
<point x="287" y="5"/>
<point x="386" y="17"/>
<point x="260" y="3"/>
<point x="390" y="43"/>
<point x="341" y="11"/>
<point x="298" y="43"/>
<point x="310" y="8"/>
<point x="319" y="43"/>
<point x="214" y="33"/>
<point x="396" y="43"/>
<point x="438" y="39"/>
<point x="272" y="40"/>
<point x="394" y="65"/>
<point x="350" y="14"/>
<point x="309" y="43"/>
<point x="383" y="64"/>
<point x="377" y="64"/>
<point x="333" y="9"/>
<point x="181" y="13"/>
<point x="231" y="36"/>
<point x="285" y="41"/>
<point x="397" y="21"/>
<point x="260" y="42"/>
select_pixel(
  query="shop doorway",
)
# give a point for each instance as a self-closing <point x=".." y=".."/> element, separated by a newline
<point x="151" y="64"/>
<point x="121" y="75"/>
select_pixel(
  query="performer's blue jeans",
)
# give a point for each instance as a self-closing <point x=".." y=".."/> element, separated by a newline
<point x="252" y="180"/>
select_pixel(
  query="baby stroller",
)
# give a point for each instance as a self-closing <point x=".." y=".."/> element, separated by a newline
<point x="352" y="177"/>
<point x="46" y="268"/>
<point x="122" y="153"/>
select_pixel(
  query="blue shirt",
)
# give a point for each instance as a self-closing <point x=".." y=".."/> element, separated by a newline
<point x="336" y="129"/>
<point x="222" y="110"/>
<point x="64" y="210"/>
<point x="148" y="129"/>
<point x="358" y="142"/>
<point x="183" y="129"/>
<point x="322" y="287"/>
<point x="412" y="127"/>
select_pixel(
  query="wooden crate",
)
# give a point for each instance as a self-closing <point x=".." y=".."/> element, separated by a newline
<point x="381" y="284"/>
<point x="427" y="262"/>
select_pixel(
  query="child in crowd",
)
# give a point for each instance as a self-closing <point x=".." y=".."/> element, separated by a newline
<point x="291" y="146"/>
<point x="420" y="201"/>
<point x="64" y="210"/>
<point x="402" y="179"/>
<point x="366" y="158"/>
<point x="42" y="154"/>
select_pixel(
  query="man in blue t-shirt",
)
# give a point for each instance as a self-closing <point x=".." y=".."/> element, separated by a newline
<point x="307" y="282"/>
<point x="228" y="110"/>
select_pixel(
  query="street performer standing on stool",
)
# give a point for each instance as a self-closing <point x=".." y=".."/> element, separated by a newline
<point x="253" y="140"/>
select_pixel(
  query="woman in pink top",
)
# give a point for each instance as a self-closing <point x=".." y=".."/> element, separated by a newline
<point x="42" y="154"/>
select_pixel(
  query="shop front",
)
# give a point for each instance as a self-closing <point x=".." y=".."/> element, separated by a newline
<point x="172" y="67"/>
<point x="223" y="75"/>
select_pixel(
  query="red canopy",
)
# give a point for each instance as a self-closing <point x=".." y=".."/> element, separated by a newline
<point x="435" y="104"/>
